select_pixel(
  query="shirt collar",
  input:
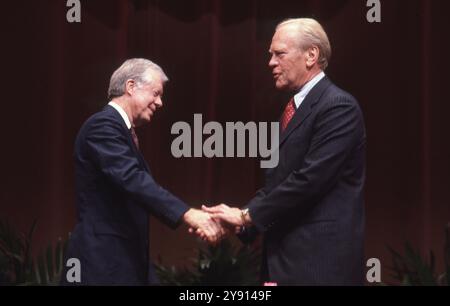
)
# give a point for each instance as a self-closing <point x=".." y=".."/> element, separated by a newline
<point x="122" y="113"/>
<point x="301" y="95"/>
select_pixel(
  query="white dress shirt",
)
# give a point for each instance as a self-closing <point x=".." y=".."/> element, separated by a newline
<point x="301" y="95"/>
<point x="122" y="113"/>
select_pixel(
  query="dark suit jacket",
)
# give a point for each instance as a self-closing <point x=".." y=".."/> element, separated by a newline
<point x="115" y="195"/>
<point x="311" y="209"/>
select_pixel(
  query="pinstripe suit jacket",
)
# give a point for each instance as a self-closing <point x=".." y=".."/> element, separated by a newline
<point x="311" y="211"/>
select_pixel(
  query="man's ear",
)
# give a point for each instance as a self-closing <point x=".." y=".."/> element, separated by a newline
<point x="130" y="85"/>
<point x="312" y="56"/>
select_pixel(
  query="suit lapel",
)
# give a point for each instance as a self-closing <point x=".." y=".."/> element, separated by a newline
<point x="128" y="135"/>
<point x="305" y="108"/>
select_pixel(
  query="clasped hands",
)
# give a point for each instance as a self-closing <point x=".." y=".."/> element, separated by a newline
<point x="213" y="224"/>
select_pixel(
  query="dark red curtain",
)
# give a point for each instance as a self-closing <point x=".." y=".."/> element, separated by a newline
<point x="55" y="74"/>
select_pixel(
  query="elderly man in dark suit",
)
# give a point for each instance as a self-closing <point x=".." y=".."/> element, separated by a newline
<point x="115" y="189"/>
<point x="310" y="211"/>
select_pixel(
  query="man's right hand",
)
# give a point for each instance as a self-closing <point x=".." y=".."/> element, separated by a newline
<point x="204" y="225"/>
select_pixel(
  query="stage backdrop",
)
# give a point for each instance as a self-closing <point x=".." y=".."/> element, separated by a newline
<point x="56" y="74"/>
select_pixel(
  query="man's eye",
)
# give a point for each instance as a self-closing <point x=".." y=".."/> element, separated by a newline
<point x="277" y="54"/>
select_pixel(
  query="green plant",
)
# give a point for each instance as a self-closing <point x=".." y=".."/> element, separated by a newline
<point x="17" y="267"/>
<point x="215" y="266"/>
<point x="15" y="254"/>
<point x="411" y="269"/>
<point x="49" y="266"/>
<point x="447" y="254"/>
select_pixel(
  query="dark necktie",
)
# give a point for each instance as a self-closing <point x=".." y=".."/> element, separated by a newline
<point x="288" y="113"/>
<point x="135" y="138"/>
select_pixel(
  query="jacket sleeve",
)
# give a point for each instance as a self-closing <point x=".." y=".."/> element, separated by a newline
<point x="249" y="234"/>
<point x="108" y="147"/>
<point x="339" y="128"/>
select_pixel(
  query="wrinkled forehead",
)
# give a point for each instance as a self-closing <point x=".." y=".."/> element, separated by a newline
<point x="153" y="77"/>
<point x="286" y="36"/>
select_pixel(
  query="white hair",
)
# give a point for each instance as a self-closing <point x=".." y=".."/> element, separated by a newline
<point x="311" y="33"/>
<point x="134" y="69"/>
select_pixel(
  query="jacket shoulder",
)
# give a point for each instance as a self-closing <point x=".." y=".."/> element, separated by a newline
<point x="106" y="114"/>
<point x="104" y="119"/>
<point x="334" y="96"/>
<point x="334" y="92"/>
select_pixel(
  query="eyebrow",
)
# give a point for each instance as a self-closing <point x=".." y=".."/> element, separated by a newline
<point x="271" y="51"/>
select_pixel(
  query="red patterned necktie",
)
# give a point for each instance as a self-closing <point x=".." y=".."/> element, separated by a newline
<point x="288" y="113"/>
<point x="135" y="138"/>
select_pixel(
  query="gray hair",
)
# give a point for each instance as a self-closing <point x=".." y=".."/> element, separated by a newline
<point x="134" y="69"/>
<point x="311" y="33"/>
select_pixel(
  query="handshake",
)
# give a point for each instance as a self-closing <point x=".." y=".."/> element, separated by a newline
<point x="212" y="224"/>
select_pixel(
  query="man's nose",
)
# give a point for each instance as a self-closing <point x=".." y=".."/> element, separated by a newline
<point x="159" y="102"/>
<point x="273" y="62"/>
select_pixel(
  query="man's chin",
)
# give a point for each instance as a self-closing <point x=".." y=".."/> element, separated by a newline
<point x="281" y="86"/>
<point x="143" y="121"/>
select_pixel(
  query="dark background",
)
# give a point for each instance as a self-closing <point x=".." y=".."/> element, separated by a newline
<point x="55" y="74"/>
